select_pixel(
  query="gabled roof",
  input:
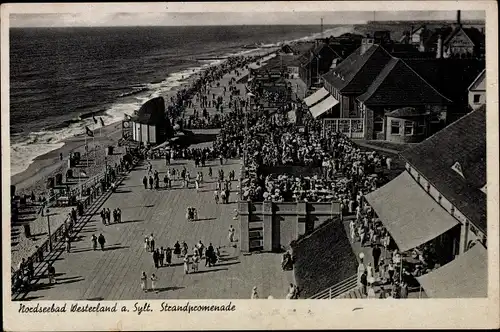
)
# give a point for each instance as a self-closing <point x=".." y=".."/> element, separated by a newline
<point x="399" y="84"/>
<point x="357" y="71"/>
<point x="323" y="50"/>
<point x="451" y="77"/>
<point x="480" y="82"/>
<point x="464" y="141"/>
<point x="475" y="36"/>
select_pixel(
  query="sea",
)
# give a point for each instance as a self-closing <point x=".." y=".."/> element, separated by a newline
<point x="60" y="77"/>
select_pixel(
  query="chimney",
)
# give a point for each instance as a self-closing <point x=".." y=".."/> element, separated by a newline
<point x="439" y="49"/>
<point x="459" y="23"/>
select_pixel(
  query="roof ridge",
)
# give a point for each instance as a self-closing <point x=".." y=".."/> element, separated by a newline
<point x="364" y="64"/>
<point x="477" y="78"/>
<point x="424" y="80"/>
<point x="451" y="125"/>
<point x="395" y="62"/>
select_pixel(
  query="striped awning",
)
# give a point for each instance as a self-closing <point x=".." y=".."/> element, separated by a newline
<point x="410" y="215"/>
<point x="464" y="277"/>
<point x="323" y="106"/>
<point x="315" y="97"/>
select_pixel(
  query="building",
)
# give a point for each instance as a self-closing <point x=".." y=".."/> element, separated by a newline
<point x="440" y="200"/>
<point x="400" y="106"/>
<point x="456" y="41"/>
<point x="477" y="91"/>
<point x="316" y="62"/>
<point x="150" y="124"/>
<point x="452" y="77"/>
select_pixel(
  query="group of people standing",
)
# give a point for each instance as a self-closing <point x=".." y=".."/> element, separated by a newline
<point x="106" y="216"/>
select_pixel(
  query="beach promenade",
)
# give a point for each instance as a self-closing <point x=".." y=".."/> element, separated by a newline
<point x="114" y="274"/>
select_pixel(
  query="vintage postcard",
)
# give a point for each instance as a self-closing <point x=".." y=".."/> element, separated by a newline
<point x="250" y="165"/>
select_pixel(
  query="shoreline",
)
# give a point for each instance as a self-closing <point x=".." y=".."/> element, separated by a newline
<point x="49" y="164"/>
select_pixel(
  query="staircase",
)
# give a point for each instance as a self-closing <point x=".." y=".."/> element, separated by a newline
<point x="346" y="289"/>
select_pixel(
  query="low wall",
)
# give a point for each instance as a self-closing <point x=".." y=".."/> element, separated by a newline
<point x="270" y="226"/>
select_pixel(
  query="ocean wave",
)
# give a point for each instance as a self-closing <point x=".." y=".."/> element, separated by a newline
<point x="25" y="148"/>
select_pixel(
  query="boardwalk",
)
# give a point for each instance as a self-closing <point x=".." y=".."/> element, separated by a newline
<point x="114" y="274"/>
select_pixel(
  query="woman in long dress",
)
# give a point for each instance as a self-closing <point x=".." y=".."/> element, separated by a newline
<point x="168" y="256"/>
<point x="184" y="249"/>
<point x="144" y="282"/>
<point x="186" y="264"/>
<point x="177" y="249"/>
<point x="154" y="279"/>
<point x="196" y="260"/>
<point x="146" y="243"/>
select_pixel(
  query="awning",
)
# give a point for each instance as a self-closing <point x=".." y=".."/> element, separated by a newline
<point x="315" y="97"/>
<point x="323" y="106"/>
<point x="464" y="277"/>
<point x="410" y="215"/>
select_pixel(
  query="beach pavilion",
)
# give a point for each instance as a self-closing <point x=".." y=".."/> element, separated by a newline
<point x="150" y="124"/>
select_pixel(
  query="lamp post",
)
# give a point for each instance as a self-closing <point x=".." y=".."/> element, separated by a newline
<point x="105" y="171"/>
<point x="48" y="228"/>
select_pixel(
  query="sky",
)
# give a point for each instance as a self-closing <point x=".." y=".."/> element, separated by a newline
<point x="100" y="18"/>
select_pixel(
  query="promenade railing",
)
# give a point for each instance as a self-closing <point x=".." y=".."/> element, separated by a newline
<point x="338" y="289"/>
<point x="67" y="226"/>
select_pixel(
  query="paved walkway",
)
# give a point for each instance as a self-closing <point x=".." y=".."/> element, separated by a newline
<point x="114" y="274"/>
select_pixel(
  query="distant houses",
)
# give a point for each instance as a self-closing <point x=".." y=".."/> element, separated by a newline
<point x="454" y="41"/>
<point x="380" y="96"/>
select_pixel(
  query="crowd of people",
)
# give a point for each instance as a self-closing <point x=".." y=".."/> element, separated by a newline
<point x="190" y="257"/>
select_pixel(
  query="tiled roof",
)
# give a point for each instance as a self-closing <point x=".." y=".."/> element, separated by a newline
<point x="323" y="258"/>
<point x="357" y="71"/>
<point x="399" y="84"/>
<point x="464" y="141"/>
<point x="451" y="77"/>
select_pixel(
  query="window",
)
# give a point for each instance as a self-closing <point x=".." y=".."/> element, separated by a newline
<point x="378" y="125"/>
<point x="408" y="128"/>
<point x="395" y="127"/>
<point x="477" y="99"/>
<point x="421" y="127"/>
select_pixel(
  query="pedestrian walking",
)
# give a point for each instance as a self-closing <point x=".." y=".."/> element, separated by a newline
<point x="196" y="261"/>
<point x="177" y="249"/>
<point x="152" y="242"/>
<point x="156" y="258"/>
<point x="186" y="264"/>
<point x="51" y="272"/>
<point x="101" y="241"/>
<point x="254" y="295"/>
<point x="68" y="243"/>
<point x="376" y="252"/>
<point x="216" y="197"/>
<point x="162" y="256"/>
<point x="168" y="256"/>
<point x="230" y="236"/>
<point x="154" y="279"/>
<point x="146" y="243"/>
<point x="145" y="182"/>
<point x="151" y="181"/>
<point x="94" y="242"/>
<point x="144" y="282"/>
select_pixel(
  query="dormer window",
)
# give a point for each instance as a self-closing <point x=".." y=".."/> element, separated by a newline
<point x="458" y="169"/>
<point x="452" y="210"/>
<point x="439" y="198"/>
<point x="428" y="187"/>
